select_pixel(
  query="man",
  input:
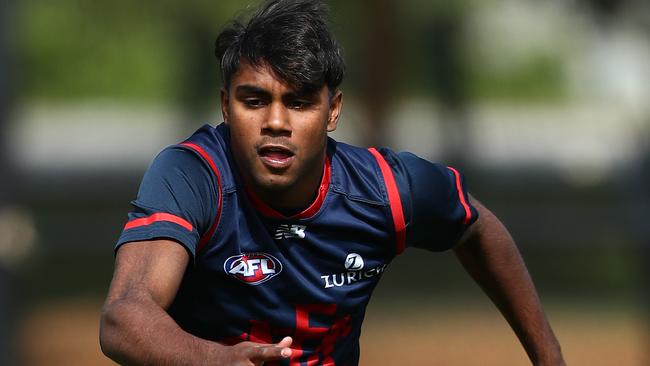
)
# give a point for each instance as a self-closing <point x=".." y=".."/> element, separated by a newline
<point x="260" y="241"/>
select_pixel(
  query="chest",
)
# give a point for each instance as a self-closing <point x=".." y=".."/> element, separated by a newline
<point x="342" y="250"/>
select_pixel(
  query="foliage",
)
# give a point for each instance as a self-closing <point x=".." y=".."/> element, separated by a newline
<point x="161" y="52"/>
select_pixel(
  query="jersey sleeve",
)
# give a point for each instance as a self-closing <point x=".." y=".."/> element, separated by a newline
<point x="176" y="201"/>
<point x="434" y="198"/>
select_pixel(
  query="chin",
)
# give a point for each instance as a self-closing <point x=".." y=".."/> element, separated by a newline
<point x="274" y="183"/>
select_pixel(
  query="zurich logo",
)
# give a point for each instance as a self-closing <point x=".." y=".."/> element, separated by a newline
<point x="355" y="272"/>
<point x="353" y="262"/>
<point x="252" y="268"/>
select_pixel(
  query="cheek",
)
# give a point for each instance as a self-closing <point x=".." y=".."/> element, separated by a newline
<point x="313" y="143"/>
<point x="242" y="141"/>
<point x="244" y="127"/>
<point x="314" y="127"/>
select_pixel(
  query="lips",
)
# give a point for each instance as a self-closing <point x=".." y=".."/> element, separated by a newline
<point x="276" y="156"/>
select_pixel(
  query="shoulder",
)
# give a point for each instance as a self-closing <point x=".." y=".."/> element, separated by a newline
<point x="189" y="160"/>
<point x="175" y="161"/>
<point x="187" y="169"/>
<point x="416" y="170"/>
<point x="356" y="173"/>
<point x="355" y="167"/>
<point x="211" y="145"/>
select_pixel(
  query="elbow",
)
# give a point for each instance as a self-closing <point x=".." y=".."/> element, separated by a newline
<point x="111" y="329"/>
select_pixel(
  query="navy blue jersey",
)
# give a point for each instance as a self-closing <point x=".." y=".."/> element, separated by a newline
<point x="259" y="275"/>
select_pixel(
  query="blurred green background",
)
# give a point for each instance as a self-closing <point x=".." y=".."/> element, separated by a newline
<point x="543" y="105"/>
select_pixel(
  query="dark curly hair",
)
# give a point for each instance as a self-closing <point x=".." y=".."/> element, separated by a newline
<point x="290" y="36"/>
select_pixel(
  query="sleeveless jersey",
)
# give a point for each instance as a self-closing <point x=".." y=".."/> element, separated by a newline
<point x="257" y="275"/>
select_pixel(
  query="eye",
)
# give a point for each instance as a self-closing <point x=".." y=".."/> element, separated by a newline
<point x="299" y="104"/>
<point x="254" y="102"/>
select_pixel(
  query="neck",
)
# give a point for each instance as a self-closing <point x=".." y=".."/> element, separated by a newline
<point x="300" y="199"/>
<point x="290" y="202"/>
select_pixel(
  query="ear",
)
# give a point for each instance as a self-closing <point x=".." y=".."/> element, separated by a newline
<point x="225" y="103"/>
<point x="336" y="104"/>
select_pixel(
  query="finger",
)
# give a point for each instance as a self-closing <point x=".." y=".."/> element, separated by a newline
<point x="285" y="342"/>
<point x="272" y="352"/>
<point x="267" y="353"/>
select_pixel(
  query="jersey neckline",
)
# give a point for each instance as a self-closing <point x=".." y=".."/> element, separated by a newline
<point x="310" y="211"/>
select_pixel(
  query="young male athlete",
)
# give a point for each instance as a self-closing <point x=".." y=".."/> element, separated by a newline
<point x="259" y="241"/>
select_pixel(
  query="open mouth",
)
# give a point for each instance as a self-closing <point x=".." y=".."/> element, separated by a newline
<point x="276" y="156"/>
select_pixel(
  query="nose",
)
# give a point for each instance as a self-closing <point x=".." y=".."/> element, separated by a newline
<point x="277" y="120"/>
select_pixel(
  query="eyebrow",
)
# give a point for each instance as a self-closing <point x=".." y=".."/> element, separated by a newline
<point x="302" y="94"/>
<point x="251" y="89"/>
<point x="256" y="90"/>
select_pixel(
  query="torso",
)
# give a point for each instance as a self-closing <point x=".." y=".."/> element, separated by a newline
<point x="262" y="276"/>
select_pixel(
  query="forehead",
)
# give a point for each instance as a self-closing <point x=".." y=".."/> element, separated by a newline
<point x="261" y="75"/>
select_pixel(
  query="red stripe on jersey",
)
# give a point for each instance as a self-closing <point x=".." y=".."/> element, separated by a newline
<point x="310" y="211"/>
<point x="260" y="332"/>
<point x="305" y="332"/>
<point x="208" y="235"/>
<point x="394" y="200"/>
<point x="157" y="217"/>
<point x="461" y="197"/>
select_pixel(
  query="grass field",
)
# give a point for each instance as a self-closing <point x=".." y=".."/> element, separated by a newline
<point x="66" y="333"/>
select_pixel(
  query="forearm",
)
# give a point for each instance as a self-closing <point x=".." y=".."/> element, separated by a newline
<point x="139" y="332"/>
<point x="491" y="257"/>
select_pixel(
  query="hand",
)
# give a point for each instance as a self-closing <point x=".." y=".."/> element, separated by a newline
<point x="255" y="354"/>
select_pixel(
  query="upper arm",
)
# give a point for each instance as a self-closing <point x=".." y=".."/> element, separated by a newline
<point x="482" y="223"/>
<point x="176" y="201"/>
<point x="148" y="271"/>
<point x="487" y="227"/>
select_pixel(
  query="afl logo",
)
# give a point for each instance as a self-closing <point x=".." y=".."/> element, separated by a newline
<point x="353" y="262"/>
<point x="252" y="268"/>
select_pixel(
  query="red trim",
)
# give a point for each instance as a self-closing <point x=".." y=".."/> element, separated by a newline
<point x="208" y="235"/>
<point x="461" y="197"/>
<point x="394" y="200"/>
<point x="310" y="211"/>
<point x="157" y="217"/>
